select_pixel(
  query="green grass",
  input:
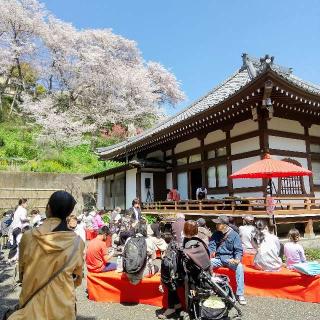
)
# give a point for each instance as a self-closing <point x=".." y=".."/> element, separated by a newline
<point x="19" y="151"/>
<point x="312" y="254"/>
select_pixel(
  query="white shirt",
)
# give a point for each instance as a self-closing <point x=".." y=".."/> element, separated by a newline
<point x="19" y="216"/>
<point x="246" y="235"/>
<point x="202" y="190"/>
<point x="80" y="231"/>
<point x="267" y="256"/>
<point x="136" y="213"/>
<point x="36" y="220"/>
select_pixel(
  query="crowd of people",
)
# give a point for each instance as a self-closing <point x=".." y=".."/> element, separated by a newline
<point x="57" y="245"/>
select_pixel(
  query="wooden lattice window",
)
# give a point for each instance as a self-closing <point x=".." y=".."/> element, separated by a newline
<point x="291" y="185"/>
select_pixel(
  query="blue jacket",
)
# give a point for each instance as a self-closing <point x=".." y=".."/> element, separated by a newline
<point x="231" y="248"/>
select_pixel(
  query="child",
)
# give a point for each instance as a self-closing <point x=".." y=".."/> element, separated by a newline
<point x="293" y="251"/>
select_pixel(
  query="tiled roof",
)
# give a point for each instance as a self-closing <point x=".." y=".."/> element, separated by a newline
<point x="250" y="69"/>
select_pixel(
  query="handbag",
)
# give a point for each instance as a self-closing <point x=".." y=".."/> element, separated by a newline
<point x="11" y="310"/>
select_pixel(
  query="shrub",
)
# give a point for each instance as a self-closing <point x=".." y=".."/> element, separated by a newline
<point x="312" y="254"/>
<point x="150" y="218"/>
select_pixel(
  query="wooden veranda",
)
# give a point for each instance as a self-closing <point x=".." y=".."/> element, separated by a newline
<point x="287" y="210"/>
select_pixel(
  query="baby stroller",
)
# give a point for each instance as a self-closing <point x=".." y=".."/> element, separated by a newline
<point x="207" y="297"/>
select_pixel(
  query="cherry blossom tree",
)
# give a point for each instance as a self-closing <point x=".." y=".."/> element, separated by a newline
<point x="20" y="23"/>
<point x="59" y="128"/>
<point x="91" y="78"/>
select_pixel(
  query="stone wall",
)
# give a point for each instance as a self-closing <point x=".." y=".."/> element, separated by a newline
<point x="38" y="187"/>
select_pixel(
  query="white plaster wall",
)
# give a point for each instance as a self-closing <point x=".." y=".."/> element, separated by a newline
<point x="314" y="130"/>
<point x="107" y="199"/>
<point x="244" y="127"/>
<point x="119" y="190"/>
<point x="100" y="193"/>
<point x="244" y="183"/>
<point x="249" y="194"/>
<point x="183" y="185"/>
<point x="156" y="155"/>
<point x="214" y="136"/>
<point x="217" y="196"/>
<point x="285" y="125"/>
<point x="187" y="145"/>
<point x="131" y="186"/>
<point x="245" y="145"/>
<point x="169" y="180"/>
<point x="303" y="162"/>
<point x="287" y="144"/>
<point x="169" y="152"/>
<point x="316" y="172"/>
<point x="144" y="190"/>
<point x="317" y="195"/>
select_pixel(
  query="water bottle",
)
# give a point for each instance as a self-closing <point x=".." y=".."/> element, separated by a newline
<point x="119" y="264"/>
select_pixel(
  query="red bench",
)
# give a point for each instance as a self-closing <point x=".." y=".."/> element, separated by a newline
<point x="284" y="284"/>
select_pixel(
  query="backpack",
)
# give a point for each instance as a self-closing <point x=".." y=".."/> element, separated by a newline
<point x="172" y="272"/>
<point x="134" y="255"/>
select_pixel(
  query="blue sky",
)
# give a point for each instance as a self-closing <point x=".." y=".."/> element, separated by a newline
<point x="201" y="41"/>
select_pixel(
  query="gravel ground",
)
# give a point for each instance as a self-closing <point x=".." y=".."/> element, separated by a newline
<point x="257" y="308"/>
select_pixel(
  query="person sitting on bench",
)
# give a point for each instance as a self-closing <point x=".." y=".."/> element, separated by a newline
<point x="226" y="250"/>
<point x="99" y="254"/>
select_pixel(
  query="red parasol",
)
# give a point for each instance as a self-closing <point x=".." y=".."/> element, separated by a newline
<point x="270" y="168"/>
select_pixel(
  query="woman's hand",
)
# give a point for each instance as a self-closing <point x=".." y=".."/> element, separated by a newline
<point x="234" y="261"/>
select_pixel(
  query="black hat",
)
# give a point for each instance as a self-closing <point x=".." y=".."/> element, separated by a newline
<point x="221" y="220"/>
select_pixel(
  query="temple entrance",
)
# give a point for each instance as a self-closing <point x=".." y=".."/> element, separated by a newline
<point x="195" y="181"/>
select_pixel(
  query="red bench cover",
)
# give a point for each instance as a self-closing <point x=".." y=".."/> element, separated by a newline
<point x="285" y="284"/>
<point x="115" y="287"/>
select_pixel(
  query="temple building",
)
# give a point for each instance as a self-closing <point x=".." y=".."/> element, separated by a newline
<point x="262" y="107"/>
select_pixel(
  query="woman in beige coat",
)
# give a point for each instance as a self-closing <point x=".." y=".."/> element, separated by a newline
<point x="43" y="251"/>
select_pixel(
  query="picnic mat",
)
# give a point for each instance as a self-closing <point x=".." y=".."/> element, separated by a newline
<point x="284" y="284"/>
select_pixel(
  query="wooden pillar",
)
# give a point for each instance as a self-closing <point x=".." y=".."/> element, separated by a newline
<point x="308" y="231"/>
<point x="203" y="169"/>
<point x="264" y="144"/>
<point x="307" y="140"/>
<point x="229" y="163"/>
<point x="138" y="183"/>
<point x="174" y="170"/>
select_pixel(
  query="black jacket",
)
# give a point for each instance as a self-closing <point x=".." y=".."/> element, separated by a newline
<point x="132" y="213"/>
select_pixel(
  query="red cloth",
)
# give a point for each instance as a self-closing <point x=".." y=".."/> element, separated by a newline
<point x="91" y="234"/>
<point x="95" y="256"/>
<point x="247" y="259"/>
<point x="285" y="284"/>
<point x="115" y="287"/>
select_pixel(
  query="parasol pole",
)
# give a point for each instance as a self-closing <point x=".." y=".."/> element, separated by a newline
<point x="272" y="214"/>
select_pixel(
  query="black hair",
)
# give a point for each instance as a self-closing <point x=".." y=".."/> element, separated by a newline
<point x="294" y="235"/>
<point x="61" y="204"/>
<point x="105" y="231"/>
<point x="258" y="236"/>
<point x="135" y="201"/>
<point x="22" y="201"/>
<point x="141" y="227"/>
<point x="231" y="220"/>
